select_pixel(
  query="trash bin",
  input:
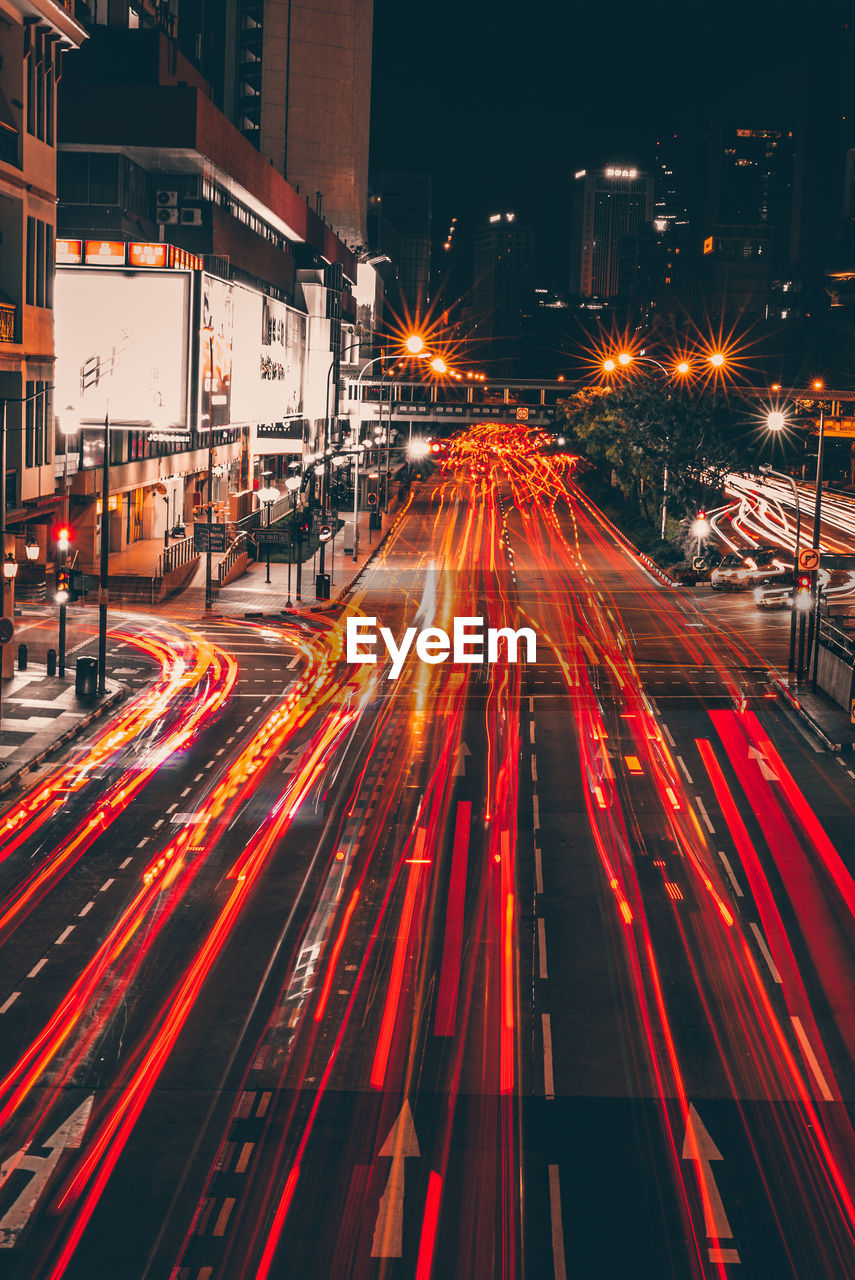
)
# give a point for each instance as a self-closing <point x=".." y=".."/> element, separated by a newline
<point x="51" y="662"/>
<point x="322" y="586"/>
<point x="375" y="520"/>
<point x="86" y="678"/>
<point x="22" y="657"/>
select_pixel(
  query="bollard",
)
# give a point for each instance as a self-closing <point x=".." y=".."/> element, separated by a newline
<point x="51" y="662"/>
<point x="22" y="657"/>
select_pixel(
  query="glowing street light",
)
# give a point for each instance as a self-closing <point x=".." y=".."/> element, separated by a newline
<point x="775" y="420"/>
<point x="609" y="365"/>
<point x="817" y="384"/>
<point x="418" y="449"/>
<point x="438" y="365"/>
<point x="684" y="368"/>
<point x="624" y="358"/>
<point x="717" y="359"/>
<point x="415" y="344"/>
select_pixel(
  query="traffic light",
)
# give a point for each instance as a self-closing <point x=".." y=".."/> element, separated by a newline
<point x="63" y="538"/>
<point x="63" y="585"/>
<point x="803" y="585"/>
<point x="803" y="582"/>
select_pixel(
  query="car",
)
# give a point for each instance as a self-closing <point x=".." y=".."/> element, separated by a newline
<point x="740" y="569"/>
<point x="732" y="572"/>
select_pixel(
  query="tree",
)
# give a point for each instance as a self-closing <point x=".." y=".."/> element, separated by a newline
<point x="640" y="429"/>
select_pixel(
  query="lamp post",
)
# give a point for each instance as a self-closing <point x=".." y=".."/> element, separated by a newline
<point x="776" y="421"/>
<point x="813" y="626"/>
<point x="103" y="589"/>
<point x="10" y="569"/>
<point x="267" y="496"/>
<point x="208" y="332"/>
<point x="767" y="470"/>
<point x="325" y="474"/>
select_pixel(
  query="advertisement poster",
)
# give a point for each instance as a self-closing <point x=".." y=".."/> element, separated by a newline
<point x="215" y="341"/>
<point x="267" y="360"/>
<point x="121" y="346"/>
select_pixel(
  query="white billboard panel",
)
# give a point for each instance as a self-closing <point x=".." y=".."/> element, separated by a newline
<point x="267" y="360"/>
<point x="122" y="342"/>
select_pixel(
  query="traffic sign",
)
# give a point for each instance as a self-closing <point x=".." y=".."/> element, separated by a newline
<point x="808" y="559"/>
<point x="210" y="537"/>
<point x="7" y="630"/>
<point x="372" y="499"/>
<point x="699" y="562"/>
<point x="325" y="533"/>
<point x="522" y="414"/>
<point x="271" y="537"/>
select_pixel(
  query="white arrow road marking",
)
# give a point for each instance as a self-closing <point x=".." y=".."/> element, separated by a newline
<point x="699" y="1146"/>
<point x="69" y="1134"/>
<point x="400" y="1145"/>
<point x="768" y="773"/>
<point x="459" y="769"/>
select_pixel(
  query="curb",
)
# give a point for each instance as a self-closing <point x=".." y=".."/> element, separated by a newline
<point x="14" y="778"/>
<point x="793" y="705"/>
<point x="651" y="565"/>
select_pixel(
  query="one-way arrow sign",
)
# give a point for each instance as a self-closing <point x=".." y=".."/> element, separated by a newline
<point x="767" y="772"/>
<point x="401" y="1144"/>
<point x="459" y="769"/>
<point x="69" y="1134"/>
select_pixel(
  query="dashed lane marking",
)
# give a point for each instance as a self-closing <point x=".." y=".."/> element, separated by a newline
<point x="7" y="1004"/>
<point x="766" y="953"/>
<point x="65" y="933"/>
<point x="37" y="967"/>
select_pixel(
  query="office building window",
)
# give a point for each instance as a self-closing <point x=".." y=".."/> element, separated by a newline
<point x="31" y="262"/>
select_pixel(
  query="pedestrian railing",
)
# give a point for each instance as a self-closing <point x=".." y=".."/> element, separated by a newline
<point x="238" y="547"/>
<point x="837" y="640"/>
<point x="174" y="556"/>
<point x="278" y="510"/>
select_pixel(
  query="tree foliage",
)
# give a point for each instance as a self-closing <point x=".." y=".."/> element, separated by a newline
<point x="637" y="429"/>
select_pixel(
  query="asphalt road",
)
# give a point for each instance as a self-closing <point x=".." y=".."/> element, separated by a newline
<point x="531" y="969"/>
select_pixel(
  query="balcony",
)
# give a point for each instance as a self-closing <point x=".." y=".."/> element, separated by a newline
<point x="7" y="321"/>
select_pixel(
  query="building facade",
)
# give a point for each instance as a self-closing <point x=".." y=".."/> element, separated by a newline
<point x="502" y="287"/>
<point x="609" y="204"/>
<point x="35" y="37"/>
<point x="199" y="293"/>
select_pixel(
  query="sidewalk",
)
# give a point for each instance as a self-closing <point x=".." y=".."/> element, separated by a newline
<point x="820" y="715"/>
<point x="251" y="593"/>
<point x="41" y="713"/>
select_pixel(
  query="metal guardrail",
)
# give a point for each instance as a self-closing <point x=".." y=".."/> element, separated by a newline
<point x="237" y="547"/>
<point x="174" y="557"/>
<point x="837" y="640"/>
<point x="256" y="519"/>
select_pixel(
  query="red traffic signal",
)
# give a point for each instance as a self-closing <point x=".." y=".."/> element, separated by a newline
<point x="803" y="582"/>
<point x="63" y="585"/>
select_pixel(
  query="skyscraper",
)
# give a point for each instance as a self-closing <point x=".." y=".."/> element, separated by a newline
<point x="297" y="84"/>
<point x="608" y="205"/>
<point x="399" y="215"/>
<point x="504" y="252"/>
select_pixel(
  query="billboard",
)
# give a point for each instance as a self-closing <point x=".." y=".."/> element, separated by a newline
<point x="216" y="338"/>
<point x="267" y="360"/>
<point x="122" y="341"/>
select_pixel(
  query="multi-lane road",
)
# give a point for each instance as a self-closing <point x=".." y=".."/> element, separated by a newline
<point x="514" y="969"/>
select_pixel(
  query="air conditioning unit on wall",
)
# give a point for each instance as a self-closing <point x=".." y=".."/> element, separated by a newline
<point x="191" y="217"/>
<point x="166" y="199"/>
<point x="167" y="215"/>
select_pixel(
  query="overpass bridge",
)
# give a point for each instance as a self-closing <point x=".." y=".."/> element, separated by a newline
<point x="457" y="404"/>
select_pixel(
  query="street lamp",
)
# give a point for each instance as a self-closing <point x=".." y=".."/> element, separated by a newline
<point x="701" y="528"/>
<point x="31" y="548"/>
<point x="767" y="470"/>
<point x="208" y="332"/>
<point x="267" y="496"/>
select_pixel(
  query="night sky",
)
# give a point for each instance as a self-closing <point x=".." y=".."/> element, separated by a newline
<point x="502" y="102"/>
